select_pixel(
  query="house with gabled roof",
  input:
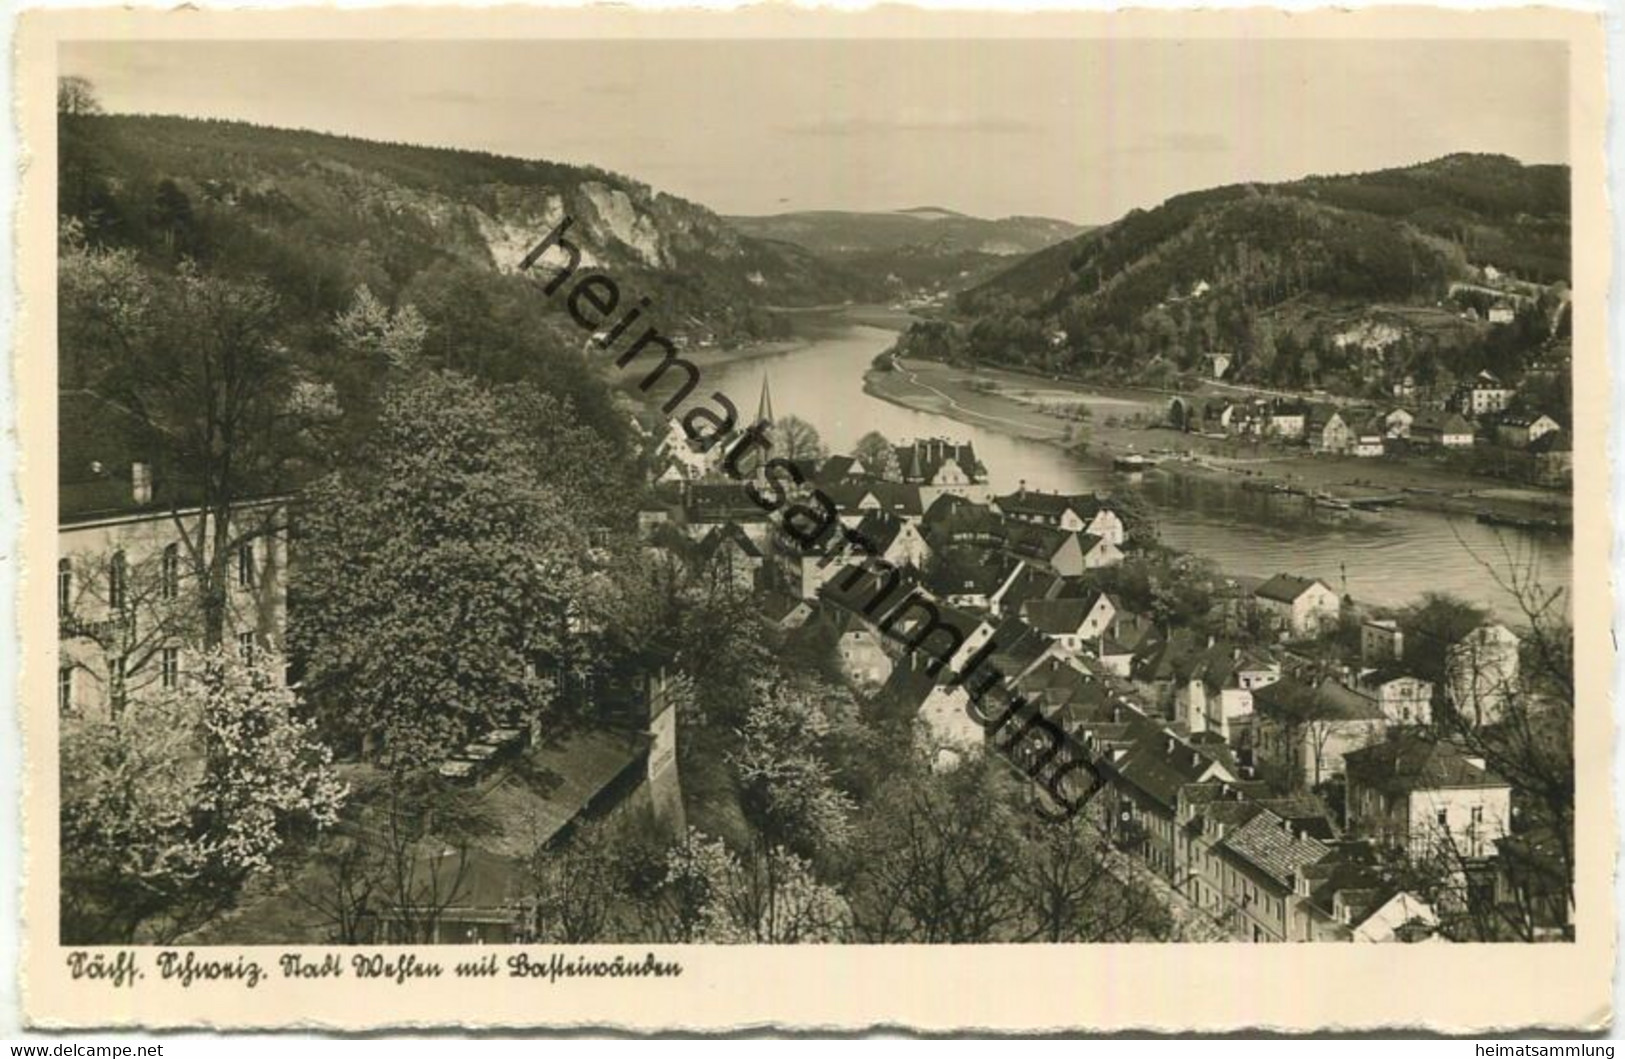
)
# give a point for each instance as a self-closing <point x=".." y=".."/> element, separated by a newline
<point x="1066" y="691"/>
<point x="1263" y="860"/>
<point x="854" y="607"/>
<point x="131" y="527"/>
<point x="940" y="466"/>
<point x="1553" y="453"/>
<point x="931" y="628"/>
<point x="1067" y="554"/>
<point x="1350" y="897"/>
<point x="728" y="554"/>
<point x="1327" y="430"/>
<point x="884" y="535"/>
<point x="1481" y="673"/>
<point x="1121" y="640"/>
<point x="1215" y="688"/>
<point x="854" y="499"/>
<point x="1026" y="583"/>
<point x="1078" y="513"/>
<point x="1441" y="430"/>
<point x="953" y="521"/>
<point x="1018" y="648"/>
<point x="703" y="506"/>
<point x="1302" y="606"/>
<point x="1402" y="696"/>
<point x="1427" y="798"/>
<point x="1307" y="732"/>
<point x="1484" y="395"/>
<point x="1286" y="419"/>
<point x="944" y="729"/>
<point x="784" y="611"/>
<point x="1071" y="622"/>
<point x="1520" y="430"/>
<point x="972" y="576"/>
<point x="1142" y="788"/>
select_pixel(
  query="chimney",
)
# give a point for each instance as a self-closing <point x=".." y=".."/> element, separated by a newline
<point x="1170" y="744"/>
<point x="141" y="483"/>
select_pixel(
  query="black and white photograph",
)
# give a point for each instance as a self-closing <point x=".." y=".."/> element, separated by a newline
<point x="549" y="504"/>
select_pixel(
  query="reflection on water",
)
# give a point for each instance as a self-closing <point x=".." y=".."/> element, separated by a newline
<point x="1387" y="558"/>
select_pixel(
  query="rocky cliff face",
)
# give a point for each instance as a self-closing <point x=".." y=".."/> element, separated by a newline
<point x="388" y="210"/>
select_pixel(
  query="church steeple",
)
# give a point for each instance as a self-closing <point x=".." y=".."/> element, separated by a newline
<point x="764" y="407"/>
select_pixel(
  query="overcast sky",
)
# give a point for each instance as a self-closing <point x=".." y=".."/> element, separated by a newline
<point x="1082" y="130"/>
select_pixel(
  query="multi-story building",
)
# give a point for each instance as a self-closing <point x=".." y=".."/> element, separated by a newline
<point x="134" y="554"/>
<point x="1481" y="673"/>
<point x="1428" y="799"/>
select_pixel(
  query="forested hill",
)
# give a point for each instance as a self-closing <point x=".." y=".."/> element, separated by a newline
<point x="329" y="213"/>
<point x="1214" y="270"/>
<point x="914" y="251"/>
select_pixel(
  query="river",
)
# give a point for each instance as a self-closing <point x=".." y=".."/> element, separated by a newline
<point x="1386" y="559"/>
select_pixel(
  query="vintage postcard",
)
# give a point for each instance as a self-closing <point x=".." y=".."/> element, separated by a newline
<point x="1023" y="522"/>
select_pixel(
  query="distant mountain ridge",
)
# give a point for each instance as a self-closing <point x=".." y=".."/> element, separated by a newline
<point x="923" y="248"/>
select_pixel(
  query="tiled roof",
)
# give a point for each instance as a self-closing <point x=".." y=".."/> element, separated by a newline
<point x="1160" y="763"/>
<point x="1291" y="701"/>
<point x="1033" y="541"/>
<point x="1058" y="617"/>
<point x="982" y="572"/>
<point x="727" y="533"/>
<point x="835" y="468"/>
<point x="98" y="442"/>
<point x="1125" y="634"/>
<point x="1274" y="846"/>
<point x="1407" y="762"/>
<point x="1286" y="588"/>
<point x="720" y="502"/>
<point x="562" y="777"/>
<point x="1439" y="423"/>
<point x="1030" y="583"/>
<point x="861" y="592"/>
<point x="1034" y="504"/>
<point x="878" y="529"/>
<point x="910" y="620"/>
<point x="921" y="460"/>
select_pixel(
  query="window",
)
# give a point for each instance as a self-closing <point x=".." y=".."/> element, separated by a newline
<point x="64" y="587"/>
<point x="118" y="575"/>
<point x="245" y="647"/>
<point x="169" y="572"/>
<point x="64" y="688"/>
<point x="170" y="667"/>
<point x="1444" y="818"/>
<point x="1478" y="814"/>
<point x="245" y="566"/>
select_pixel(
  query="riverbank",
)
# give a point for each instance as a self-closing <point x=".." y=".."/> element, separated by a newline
<point x="810" y="328"/>
<point x="1123" y="422"/>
